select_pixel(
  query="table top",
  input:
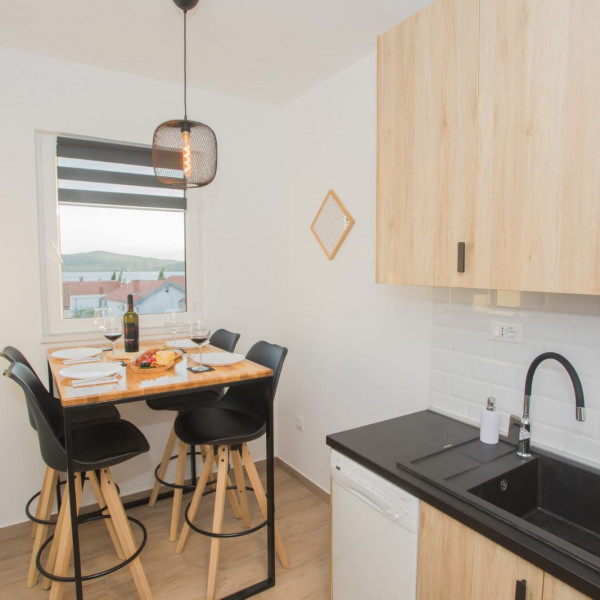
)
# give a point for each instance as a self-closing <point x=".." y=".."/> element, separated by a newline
<point x="133" y="384"/>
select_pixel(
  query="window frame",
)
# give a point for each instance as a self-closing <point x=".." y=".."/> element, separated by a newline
<point x="53" y="322"/>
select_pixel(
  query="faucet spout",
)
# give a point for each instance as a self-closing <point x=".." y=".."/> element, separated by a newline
<point x="525" y="424"/>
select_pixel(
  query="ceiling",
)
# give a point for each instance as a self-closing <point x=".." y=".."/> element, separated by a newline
<point x="265" y="50"/>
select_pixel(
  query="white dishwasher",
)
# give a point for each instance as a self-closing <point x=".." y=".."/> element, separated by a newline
<point x="374" y="542"/>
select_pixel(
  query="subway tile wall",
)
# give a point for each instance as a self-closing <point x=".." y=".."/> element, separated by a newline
<point x="469" y="364"/>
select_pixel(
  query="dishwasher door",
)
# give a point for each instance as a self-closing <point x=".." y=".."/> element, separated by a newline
<point x="374" y="535"/>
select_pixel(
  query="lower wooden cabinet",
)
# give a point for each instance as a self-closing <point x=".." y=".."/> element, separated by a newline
<point x="557" y="590"/>
<point x="457" y="563"/>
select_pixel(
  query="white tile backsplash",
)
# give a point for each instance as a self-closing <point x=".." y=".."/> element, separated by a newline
<point x="468" y="364"/>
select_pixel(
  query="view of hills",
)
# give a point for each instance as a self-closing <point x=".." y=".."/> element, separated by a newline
<point x="110" y="261"/>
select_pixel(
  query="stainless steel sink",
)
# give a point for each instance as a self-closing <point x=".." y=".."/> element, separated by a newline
<point x="556" y="495"/>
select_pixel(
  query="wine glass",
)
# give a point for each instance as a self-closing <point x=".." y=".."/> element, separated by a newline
<point x="100" y="316"/>
<point x="173" y="320"/>
<point x="113" y="330"/>
<point x="199" y="332"/>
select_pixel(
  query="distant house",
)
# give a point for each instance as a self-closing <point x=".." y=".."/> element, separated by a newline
<point x="148" y="296"/>
<point x="82" y="295"/>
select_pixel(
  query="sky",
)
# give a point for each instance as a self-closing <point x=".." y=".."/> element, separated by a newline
<point x="149" y="233"/>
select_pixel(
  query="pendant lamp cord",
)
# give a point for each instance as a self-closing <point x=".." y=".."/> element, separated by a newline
<point x="184" y="66"/>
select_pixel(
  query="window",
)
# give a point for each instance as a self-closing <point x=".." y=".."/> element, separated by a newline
<point x="110" y="229"/>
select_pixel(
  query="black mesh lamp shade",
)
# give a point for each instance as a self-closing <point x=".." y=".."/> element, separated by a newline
<point x="184" y="154"/>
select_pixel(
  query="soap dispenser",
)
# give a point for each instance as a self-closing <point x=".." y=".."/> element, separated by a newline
<point x="490" y="423"/>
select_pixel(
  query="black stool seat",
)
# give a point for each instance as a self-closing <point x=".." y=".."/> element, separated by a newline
<point x="183" y="402"/>
<point x="225" y="429"/>
<point x="82" y="415"/>
<point x="96" y="447"/>
<point x="51" y="483"/>
<point x="217" y="425"/>
<point x="95" y="413"/>
<point x="104" y="444"/>
<point x="225" y="340"/>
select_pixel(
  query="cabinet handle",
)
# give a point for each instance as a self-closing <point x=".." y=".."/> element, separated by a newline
<point x="460" y="267"/>
<point x="521" y="590"/>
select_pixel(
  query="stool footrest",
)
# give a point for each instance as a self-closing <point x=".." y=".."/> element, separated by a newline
<point x="222" y="535"/>
<point x="85" y="519"/>
<point x="35" y="519"/>
<point x="176" y="486"/>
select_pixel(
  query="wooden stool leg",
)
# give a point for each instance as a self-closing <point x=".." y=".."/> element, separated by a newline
<point x="108" y="522"/>
<point x="261" y="498"/>
<point x="209" y="457"/>
<point x="240" y="482"/>
<point x="164" y="463"/>
<point x="44" y="510"/>
<point x="119" y="518"/>
<point x="178" y="493"/>
<point x="231" y="496"/>
<point x="48" y="473"/>
<point x="233" y="500"/>
<point x="65" y="540"/>
<point x="215" y="544"/>
<point x="60" y="523"/>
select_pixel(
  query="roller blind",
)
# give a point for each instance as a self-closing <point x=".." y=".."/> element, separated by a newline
<point x="110" y="174"/>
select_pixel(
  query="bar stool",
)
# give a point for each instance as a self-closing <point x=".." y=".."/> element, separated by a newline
<point x="97" y="446"/>
<point x="225" y="428"/>
<point x="225" y="340"/>
<point x="51" y="481"/>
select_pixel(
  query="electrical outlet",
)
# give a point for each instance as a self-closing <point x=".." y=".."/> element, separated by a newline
<point x="508" y="332"/>
<point x="299" y="423"/>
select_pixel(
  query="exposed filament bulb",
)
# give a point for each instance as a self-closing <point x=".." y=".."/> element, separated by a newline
<point x="186" y="153"/>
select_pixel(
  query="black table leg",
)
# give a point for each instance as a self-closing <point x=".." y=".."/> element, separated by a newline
<point x="50" y="381"/>
<point x="270" y="496"/>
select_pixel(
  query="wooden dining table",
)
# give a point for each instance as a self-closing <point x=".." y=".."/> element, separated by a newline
<point x="134" y="385"/>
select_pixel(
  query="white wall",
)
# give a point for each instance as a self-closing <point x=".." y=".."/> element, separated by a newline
<point x="468" y="364"/>
<point x="359" y="351"/>
<point x="241" y="226"/>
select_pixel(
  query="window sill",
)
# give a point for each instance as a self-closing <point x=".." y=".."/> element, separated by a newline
<point x="94" y="338"/>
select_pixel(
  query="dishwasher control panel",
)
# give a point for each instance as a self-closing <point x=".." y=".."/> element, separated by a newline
<point x="397" y="505"/>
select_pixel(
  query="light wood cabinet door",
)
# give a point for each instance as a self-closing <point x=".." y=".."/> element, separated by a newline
<point x="557" y="590"/>
<point x="427" y="146"/>
<point x="539" y="144"/>
<point x="456" y="563"/>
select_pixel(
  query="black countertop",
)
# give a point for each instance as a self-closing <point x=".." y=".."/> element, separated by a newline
<point x="438" y="459"/>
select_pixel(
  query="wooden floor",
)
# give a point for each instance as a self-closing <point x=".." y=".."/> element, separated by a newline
<point x="303" y="519"/>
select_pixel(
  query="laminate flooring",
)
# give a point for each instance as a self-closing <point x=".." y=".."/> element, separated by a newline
<point x="302" y="517"/>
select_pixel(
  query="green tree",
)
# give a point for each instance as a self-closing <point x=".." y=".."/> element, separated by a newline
<point x="83" y="313"/>
<point x="161" y="275"/>
<point x="114" y="276"/>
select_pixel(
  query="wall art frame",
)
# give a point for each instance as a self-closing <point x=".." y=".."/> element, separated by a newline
<point x="331" y="224"/>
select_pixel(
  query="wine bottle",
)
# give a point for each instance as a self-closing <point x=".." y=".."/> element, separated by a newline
<point x="131" y="328"/>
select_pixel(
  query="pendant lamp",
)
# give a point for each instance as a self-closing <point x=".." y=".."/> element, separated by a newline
<point x="184" y="152"/>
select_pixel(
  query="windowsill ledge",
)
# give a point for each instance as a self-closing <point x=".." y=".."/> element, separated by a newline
<point x="94" y="338"/>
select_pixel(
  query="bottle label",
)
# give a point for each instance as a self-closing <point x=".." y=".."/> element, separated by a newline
<point x="131" y="337"/>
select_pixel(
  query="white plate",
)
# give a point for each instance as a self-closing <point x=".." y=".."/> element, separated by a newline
<point x="92" y="371"/>
<point x="76" y="353"/>
<point x="220" y="359"/>
<point x="184" y="344"/>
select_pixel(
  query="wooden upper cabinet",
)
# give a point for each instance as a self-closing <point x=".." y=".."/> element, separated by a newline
<point x="539" y="143"/>
<point x="489" y="134"/>
<point x="427" y="145"/>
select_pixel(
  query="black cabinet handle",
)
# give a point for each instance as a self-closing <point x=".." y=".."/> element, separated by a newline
<point x="521" y="590"/>
<point x="460" y="267"/>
